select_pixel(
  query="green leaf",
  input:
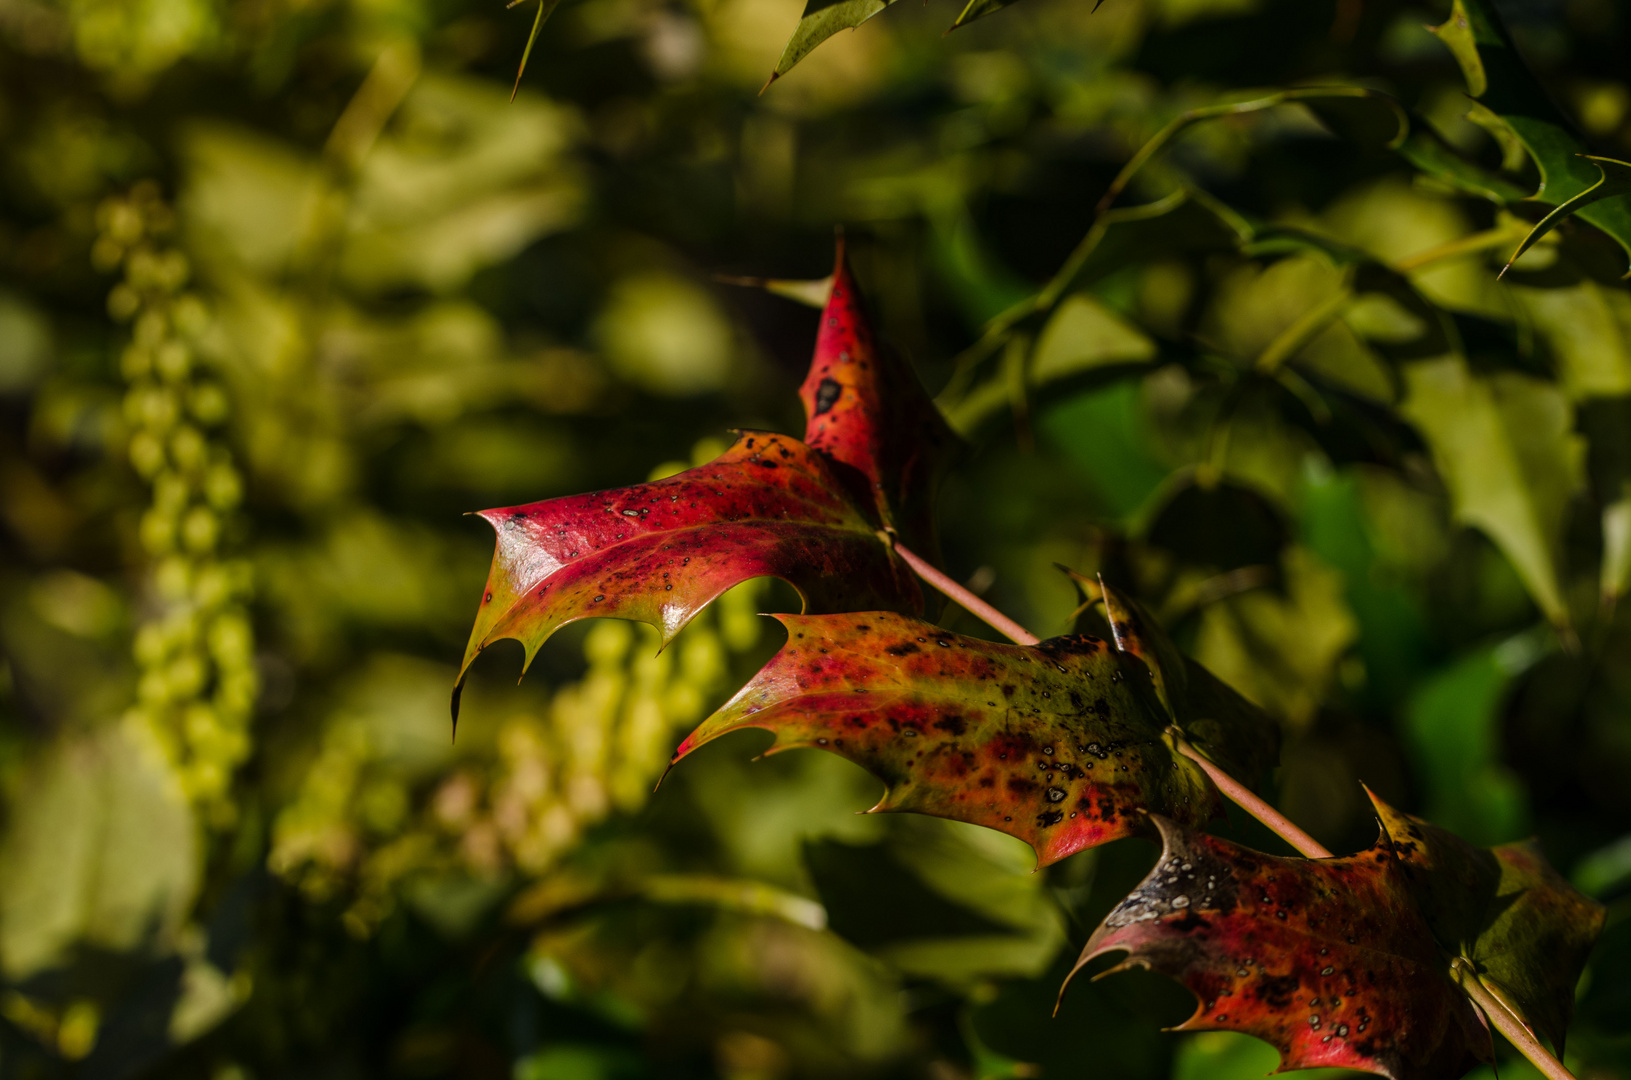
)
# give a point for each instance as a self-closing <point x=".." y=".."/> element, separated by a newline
<point x="1506" y="447"/>
<point x="1452" y="728"/>
<point x="820" y="21"/>
<point x="1083" y="338"/>
<point x="1497" y="76"/>
<point x="1615" y="181"/>
<point x="1328" y="960"/>
<point x="1526" y="930"/>
<point x="1235" y="733"/>
<point x="545" y="9"/>
<point x="939" y="900"/>
<point x="106" y="855"/>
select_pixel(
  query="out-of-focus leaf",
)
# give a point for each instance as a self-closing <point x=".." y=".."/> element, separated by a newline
<point x="865" y="408"/>
<point x="1280" y="647"/>
<point x="1082" y="338"/>
<point x="930" y="903"/>
<point x="1527" y="931"/>
<point x="1048" y="743"/>
<point x="1606" y="423"/>
<point x="1452" y="728"/>
<point x="102" y="851"/>
<point x="1233" y="732"/>
<point x="1583" y="319"/>
<point x="1363" y="116"/>
<point x="1616" y="181"/>
<point x="1328" y="960"/>
<point x="820" y="21"/>
<point x="1221" y="525"/>
<point x="1497" y="76"/>
<point x="660" y="552"/>
<point x="811" y="293"/>
<point x="1506" y="448"/>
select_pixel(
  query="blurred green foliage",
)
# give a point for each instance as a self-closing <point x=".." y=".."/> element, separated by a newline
<point x="286" y="286"/>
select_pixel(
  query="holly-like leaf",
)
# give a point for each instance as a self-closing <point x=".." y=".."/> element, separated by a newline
<point x="820" y="21"/>
<point x="865" y="408"/>
<point x="660" y="552"/>
<point x="1050" y="743"/>
<point x="1615" y="182"/>
<point x="808" y="512"/>
<point x="1499" y="79"/>
<point x="1328" y="960"/>
<point x="1506" y="447"/>
<point x="1526" y="930"/>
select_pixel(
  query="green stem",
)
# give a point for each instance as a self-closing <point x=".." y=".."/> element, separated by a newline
<point x="1516" y="1031"/>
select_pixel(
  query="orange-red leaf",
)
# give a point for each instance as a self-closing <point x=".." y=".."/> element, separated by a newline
<point x="1049" y="743"/>
<point x="1328" y="960"/>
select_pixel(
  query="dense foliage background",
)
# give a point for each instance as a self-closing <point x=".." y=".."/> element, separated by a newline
<point x="286" y="286"/>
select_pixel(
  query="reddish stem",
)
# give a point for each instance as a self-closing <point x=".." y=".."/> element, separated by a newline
<point x="971" y="603"/>
<point x="1505" y="1022"/>
<point x="1242" y="797"/>
<point x="1516" y="1031"/>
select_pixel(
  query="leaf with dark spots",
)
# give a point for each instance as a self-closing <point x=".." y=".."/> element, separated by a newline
<point x="1232" y="731"/>
<point x="1328" y="960"/>
<point x="975" y="731"/>
<point x="1525" y="929"/>
<point x="660" y="552"/>
<point x="865" y="408"/>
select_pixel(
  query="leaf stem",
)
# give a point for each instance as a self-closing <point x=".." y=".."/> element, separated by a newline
<point x="971" y="603"/>
<point x="1242" y="797"/>
<point x="1516" y="1031"/>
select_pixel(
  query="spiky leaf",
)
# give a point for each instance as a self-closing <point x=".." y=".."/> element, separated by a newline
<point x="660" y="552"/>
<point x="1499" y="79"/>
<point x="1526" y="930"/>
<point x="865" y="408"/>
<point x="806" y="512"/>
<point x="1328" y="960"/>
<point x="1050" y="743"/>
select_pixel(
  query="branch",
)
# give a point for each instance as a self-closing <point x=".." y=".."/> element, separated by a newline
<point x="971" y="603"/>
<point x="1516" y="1031"/>
<point x="1242" y="797"/>
<point x="1231" y="788"/>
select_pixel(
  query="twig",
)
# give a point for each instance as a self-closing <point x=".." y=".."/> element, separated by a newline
<point x="1242" y="796"/>
<point x="1517" y="1033"/>
<point x="971" y="603"/>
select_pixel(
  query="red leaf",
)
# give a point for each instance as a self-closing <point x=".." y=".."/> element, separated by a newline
<point x="769" y="506"/>
<point x="1526" y="931"/>
<point x="1328" y="960"/>
<point x="865" y="407"/>
<point x="660" y="552"/>
<point x="1047" y="743"/>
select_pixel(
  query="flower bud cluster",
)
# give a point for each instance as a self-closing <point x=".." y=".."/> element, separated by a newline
<point x="195" y="645"/>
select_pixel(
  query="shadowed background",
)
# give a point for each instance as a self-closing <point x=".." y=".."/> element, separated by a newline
<point x="288" y="286"/>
